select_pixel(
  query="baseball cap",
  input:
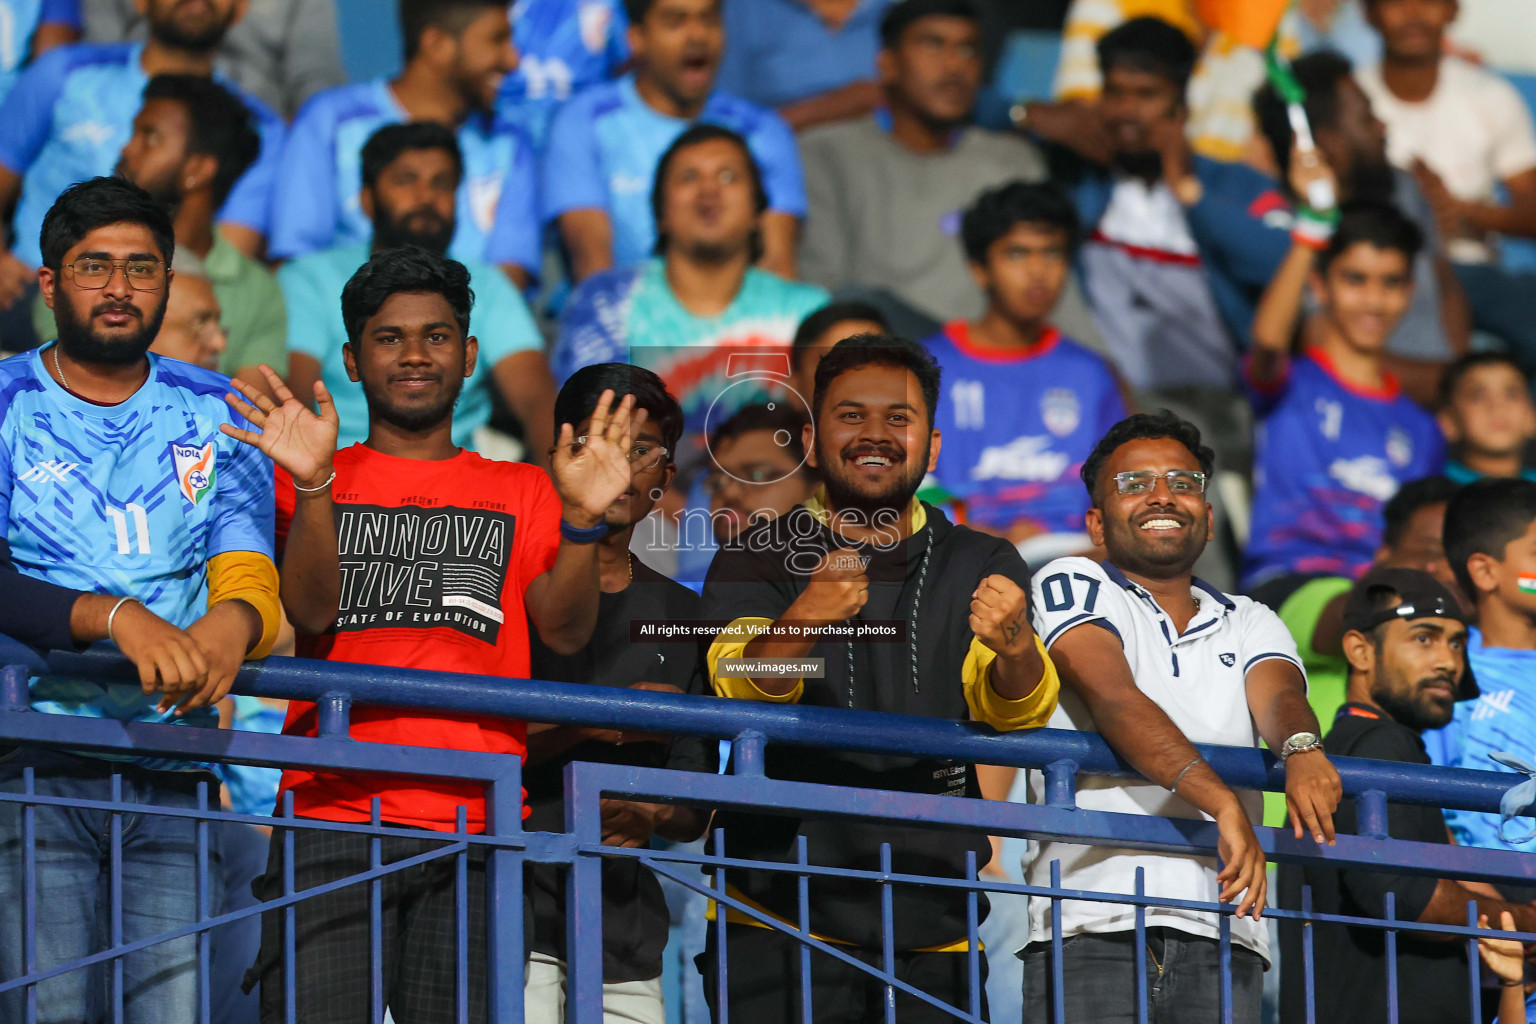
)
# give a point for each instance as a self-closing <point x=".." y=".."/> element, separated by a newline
<point x="1420" y="596"/>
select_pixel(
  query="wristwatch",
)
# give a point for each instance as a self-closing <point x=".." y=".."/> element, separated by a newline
<point x="1300" y="743"/>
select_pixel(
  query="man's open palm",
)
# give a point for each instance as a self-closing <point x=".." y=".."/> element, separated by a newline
<point x="288" y="432"/>
<point x="594" y="473"/>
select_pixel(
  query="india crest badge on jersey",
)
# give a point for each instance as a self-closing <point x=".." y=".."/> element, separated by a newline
<point x="194" y="470"/>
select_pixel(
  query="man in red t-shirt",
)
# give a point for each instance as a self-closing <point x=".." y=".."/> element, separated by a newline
<point x="408" y="551"/>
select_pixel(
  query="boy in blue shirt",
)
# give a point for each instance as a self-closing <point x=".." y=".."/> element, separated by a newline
<point x="1490" y="541"/>
<point x="71" y="113"/>
<point x="457" y="53"/>
<point x="1025" y="404"/>
<point x="1488" y="417"/>
<point x="127" y="516"/>
<point x="411" y="174"/>
<point x="1336" y="437"/>
<point x="604" y="144"/>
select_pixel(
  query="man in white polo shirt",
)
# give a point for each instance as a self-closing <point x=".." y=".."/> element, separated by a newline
<point x="1156" y="661"/>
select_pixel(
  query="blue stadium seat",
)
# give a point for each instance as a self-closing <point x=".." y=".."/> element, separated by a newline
<point x="370" y="37"/>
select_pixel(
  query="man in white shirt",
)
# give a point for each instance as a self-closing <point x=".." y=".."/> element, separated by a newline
<point x="1465" y="133"/>
<point x="1156" y="660"/>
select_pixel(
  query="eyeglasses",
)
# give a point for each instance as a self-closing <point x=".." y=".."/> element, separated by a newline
<point x="142" y="275"/>
<point x="721" y="479"/>
<point x="641" y="457"/>
<point x="1144" y="481"/>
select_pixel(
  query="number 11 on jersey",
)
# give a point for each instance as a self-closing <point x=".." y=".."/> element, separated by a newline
<point x="120" y="517"/>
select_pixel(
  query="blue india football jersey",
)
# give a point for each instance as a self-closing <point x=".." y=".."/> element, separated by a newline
<point x="1017" y="426"/>
<point x="1502" y="718"/>
<point x="71" y="113"/>
<point x="563" y="46"/>
<point x="131" y="499"/>
<point x="19" y="19"/>
<point x="605" y="143"/>
<point x="319" y="204"/>
<point x="1327" y="456"/>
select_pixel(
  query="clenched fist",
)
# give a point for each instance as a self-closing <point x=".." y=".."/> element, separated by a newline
<point x="837" y="589"/>
<point x="1000" y="616"/>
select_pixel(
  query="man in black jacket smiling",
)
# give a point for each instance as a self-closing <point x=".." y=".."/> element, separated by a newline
<point x="862" y="550"/>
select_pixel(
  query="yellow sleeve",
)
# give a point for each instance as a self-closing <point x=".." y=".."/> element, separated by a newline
<point x="250" y="577"/>
<point x="731" y="642"/>
<point x="1028" y="712"/>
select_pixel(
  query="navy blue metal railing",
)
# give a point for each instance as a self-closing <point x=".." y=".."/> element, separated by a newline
<point x="1061" y="756"/>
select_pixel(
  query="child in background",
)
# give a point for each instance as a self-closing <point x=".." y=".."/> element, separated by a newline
<point x="1487" y="416"/>
<point x="1336" y="436"/>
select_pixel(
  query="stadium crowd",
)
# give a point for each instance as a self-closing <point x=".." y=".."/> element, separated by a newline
<point x="1192" y="405"/>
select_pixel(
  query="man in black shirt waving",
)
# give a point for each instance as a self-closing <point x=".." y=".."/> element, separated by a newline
<point x="1405" y="640"/>
<point x="862" y="551"/>
<point x="635" y="918"/>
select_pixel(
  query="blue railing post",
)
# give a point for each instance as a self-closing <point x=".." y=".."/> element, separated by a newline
<point x="749" y="753"/>
<point x="1371" y="809"/>
<point x="334" y="711"/>
<point x="1061" y="784"/>
<point x="584" y="901"/>
<point x="13" y="688"/>
<point x="504" y="953"/>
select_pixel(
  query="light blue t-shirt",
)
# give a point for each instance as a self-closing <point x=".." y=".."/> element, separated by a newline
<point x="780" y="51"/>
<point x="71" y="113"/>
<point x="129" y="499"/>
<point x="19" y="19"/>
<point x="318" y="204"/>
<point x="1502" y="718"/>
<point x="312" y="286"/>
<point x="605" y="144"/>
<point x="563" y="46"/>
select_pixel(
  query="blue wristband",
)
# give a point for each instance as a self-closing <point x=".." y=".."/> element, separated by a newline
<point x="577" y="535"/>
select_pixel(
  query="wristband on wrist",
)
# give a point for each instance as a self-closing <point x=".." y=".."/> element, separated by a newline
<point x="1313" y="228"/>
<point x="583" y="535"/>
<point x="324" y="486"/>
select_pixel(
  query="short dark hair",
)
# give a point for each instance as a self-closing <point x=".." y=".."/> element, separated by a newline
<point x="1412" y="496"/>
<point x="697" y="136"/>
<point x="822" y="320"/>
<point x="1482" y="518"/>
<point x="1319" y="74"/>
<point x="996" y="211"/>
<point x="775" y="417"/>
<point x="1373" y="223"/>
<point x="1151" y="45"/>
<point x="1145" y="426"/>
<point x="385" y="146"/>
<point x="1463" y="365"/>
<point x="221" y="126"/>
<point x="409" y="268"/>
<point x="863" y="350"/>
<point x="578" y="398"/>
<point x="95" y="203"/>
<point x="901" y="16"/>
<point x="450" y="16"/>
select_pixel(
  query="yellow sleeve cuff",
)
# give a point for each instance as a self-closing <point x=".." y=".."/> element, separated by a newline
<point x="731" y="642"/>
<point x="1031" y="711"/>
<point x="250" y="577"/>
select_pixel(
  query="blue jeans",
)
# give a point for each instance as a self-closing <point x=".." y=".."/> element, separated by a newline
<point x="1183" y="979"/>
<point x="73" y="878"/>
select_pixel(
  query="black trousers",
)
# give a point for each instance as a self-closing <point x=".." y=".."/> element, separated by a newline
<point x="418" y="939"/>
<point x="763" y="981"/>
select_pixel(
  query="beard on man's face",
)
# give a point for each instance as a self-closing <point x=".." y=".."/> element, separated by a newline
<point x="84" y="344"/>
<point x="422" y="226"/>
<point x="418" y="418"/>
<point x="197" y="35"/>
<point x="846" y="492"/>
<point x="1415" y="708"/>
